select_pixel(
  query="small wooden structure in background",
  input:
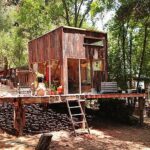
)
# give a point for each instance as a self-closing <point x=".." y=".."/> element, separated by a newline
<point x="24" y="77"/>
<point x="72" y="57"/>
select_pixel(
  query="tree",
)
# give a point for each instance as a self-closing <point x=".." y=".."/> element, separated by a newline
<point x="70" y="12"/>
<point x="1" y="16"/>
<point x="33" y="18"/>
<point x="12" y="45"/>
<point x="132" y="29"/>
<point x="99" y="9"/>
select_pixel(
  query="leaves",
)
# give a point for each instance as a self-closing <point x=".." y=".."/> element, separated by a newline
<point x="21" y="21"/>
<point x="129" y="54"/>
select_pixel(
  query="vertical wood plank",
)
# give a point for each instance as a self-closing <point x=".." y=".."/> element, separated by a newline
<point x="79" y="76"/>
<point x="61" y="58"/>
<point x="91" y="72"/>
<point x="65" y="74"/>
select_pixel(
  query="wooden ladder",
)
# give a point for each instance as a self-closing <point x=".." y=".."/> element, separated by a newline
<point x="82" y="114"/>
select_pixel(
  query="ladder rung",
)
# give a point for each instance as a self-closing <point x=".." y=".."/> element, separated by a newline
<point x="72" y="99"/>
<point x="81" y="113"/>
<point x="79" y="122"/>
<point x="75" y="107"/>
<point x="77" y="114"/>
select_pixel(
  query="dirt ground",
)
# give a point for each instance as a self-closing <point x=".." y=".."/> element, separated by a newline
<point x="104" y="136"/>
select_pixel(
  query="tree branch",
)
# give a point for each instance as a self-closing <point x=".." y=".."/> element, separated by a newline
<point x="143" y="55"/>
<point x="75" y="14"/>
<point x="86" y="12"/>
<point x="66" y="10"/>
<point x="78" y="11"/>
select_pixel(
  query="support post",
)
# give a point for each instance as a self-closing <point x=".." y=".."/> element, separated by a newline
<point x="91" y="72"/>
<point x="83" y="108"/>
<point x="141" y="101"/>
<point x="49" y="65"/>
<point x="19" y="116"/>
<point x="79" y="76"/>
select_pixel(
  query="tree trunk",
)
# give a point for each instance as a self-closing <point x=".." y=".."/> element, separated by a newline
<point x="5" y="66"/>
<point x="85" y="13"/>
<point x="67" y="12"/>
<point x="124" y="55"/>
<point x="130" y="59"/>
<point x="75" y="14"/>
<point x="143" y="54"/>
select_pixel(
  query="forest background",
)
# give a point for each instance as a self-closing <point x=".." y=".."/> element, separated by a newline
<point x="128" y="30"/>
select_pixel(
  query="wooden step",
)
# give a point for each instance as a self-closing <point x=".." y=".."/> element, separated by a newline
<point x="79" y="122"/>
<point x="75" y="107"/>
<point x="81" y="113"/>
<point x="77" y="114"/>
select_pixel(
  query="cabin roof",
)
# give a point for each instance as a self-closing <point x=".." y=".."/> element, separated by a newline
<point x="71" y="28"/>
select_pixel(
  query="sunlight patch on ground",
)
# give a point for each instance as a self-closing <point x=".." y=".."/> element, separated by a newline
<point x="107" y="138"/>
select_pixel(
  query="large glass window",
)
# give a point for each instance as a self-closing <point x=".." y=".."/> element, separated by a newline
<point x="85" y="76"/>
<point x="55" y="72"/>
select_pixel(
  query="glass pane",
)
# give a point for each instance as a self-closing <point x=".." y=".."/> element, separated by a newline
<point x="85" y="76"/>
<point x="55" y="73"/>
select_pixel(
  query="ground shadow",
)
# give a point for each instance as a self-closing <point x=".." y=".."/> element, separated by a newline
<point x="120" y="131"/>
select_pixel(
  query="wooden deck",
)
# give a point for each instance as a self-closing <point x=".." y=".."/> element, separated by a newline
<point x="18" y="101"/>
<point x="62" y="98"/>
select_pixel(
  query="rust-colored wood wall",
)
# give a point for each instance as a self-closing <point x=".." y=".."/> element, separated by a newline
<point x="73" y="45"/>
<point x="46" y="47"/>
<point x="73" y="42"/>
<point x="67" y="42"/>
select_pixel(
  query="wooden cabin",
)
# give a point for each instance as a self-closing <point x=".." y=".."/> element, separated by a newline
<point x="72" y="57"/>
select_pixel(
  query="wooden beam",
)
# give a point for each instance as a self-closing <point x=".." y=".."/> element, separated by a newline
<point x="65" y="74"/>
<point x="49" y="74"/>
<point x="93" y="45"/>
<point x="94" y="38"/>
<point x="91" y="72"/>
<point x="19" y="116"/>
<point x="61" y="59"/>
<point x="79" y="76"/>
<point x="82" y="118"/>
<point x="141" y="103"/>
<point x="115" y="95"/>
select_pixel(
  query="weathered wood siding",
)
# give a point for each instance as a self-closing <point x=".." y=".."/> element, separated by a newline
<point x="46" y="47"/>
<point x="73" y="45"/>
<point x="68" y="42"/>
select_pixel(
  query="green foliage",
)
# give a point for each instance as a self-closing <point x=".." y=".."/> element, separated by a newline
<point x="99" y="6"/>
<point x="70" y="12"/>
<point x="21" y="21"/>
<point x="33" y="18"/>
<point x="12" y="45"/>
<point x="127" y="35"/>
